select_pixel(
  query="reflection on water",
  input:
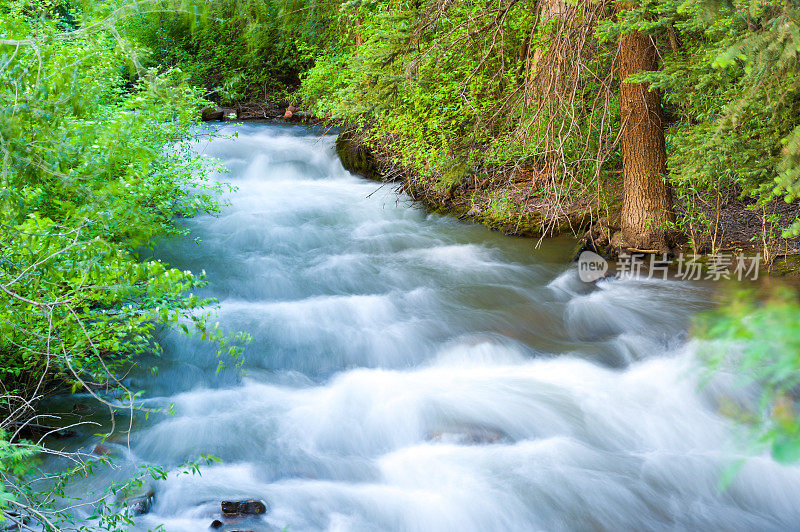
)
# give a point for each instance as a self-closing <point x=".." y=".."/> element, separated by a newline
<point x="410" y="372"/>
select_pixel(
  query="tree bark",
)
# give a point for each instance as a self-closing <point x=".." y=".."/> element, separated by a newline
<point x="357" y="29"/>
<point x="647" y="199"/>
<point x="549" y="11"/>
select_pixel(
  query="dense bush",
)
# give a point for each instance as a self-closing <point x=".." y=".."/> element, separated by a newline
<point x="234" y="50"/>
<point x="758" y="339"/>
<point x="95" y="165"/>
<point x="730" y="83"/>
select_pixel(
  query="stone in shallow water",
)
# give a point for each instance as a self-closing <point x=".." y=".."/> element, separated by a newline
<point x="101" y="450"/>
<point x="81" y="408"/>
<point x="141" y="505"/>
<point x="245" y="507"/>
<point x="470" y="436"/>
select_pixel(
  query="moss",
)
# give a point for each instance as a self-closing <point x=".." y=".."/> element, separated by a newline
<point x="356" y="157"/>
<point x="526" y="224"/>
<point x="788" y="266"/>
<point x="445" y="197"/>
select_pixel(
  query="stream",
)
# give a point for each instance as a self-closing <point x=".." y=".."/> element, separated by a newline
<point x="412" y="372"/>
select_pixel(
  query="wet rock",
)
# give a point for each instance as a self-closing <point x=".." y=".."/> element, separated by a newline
<point x="101" y="450"/>
<point x="81" y="408"/>
<point x="242" y="508"/>
<point x="216" y="523"/>
<point x="63" y="434"/>
<point x="211" y="113"/>
<point x="13" y="520"/>
<point x="481" y="437"/>
<point x="141" y="504"/>
<point x="294" y="114"/>
<point x="356" y="157"/>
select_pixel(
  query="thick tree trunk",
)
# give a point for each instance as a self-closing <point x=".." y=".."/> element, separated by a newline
<point x="647" y="200"/>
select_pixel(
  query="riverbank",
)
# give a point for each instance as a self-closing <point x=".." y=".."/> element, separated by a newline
<point x="526" y="134"/>
<point x="521" y="206"/>
<point x="518" y="203"/>
<point x="258" y="110"/>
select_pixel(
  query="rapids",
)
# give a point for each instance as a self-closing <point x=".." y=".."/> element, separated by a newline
<point x="411" y="372"/>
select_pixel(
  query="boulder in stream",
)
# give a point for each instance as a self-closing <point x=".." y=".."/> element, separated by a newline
<point x="211" y="113"/>
<point x="243" y="508"/>
<point x="101" y="450"/>
<point x="141" y="504"/>
<point x="81" y="408"/>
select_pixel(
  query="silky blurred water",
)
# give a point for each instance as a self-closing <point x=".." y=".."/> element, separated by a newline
<point x="411" y="372"/>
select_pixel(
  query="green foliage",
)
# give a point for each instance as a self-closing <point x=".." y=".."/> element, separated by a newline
<point x="53" y="508"/>
<point x="16" y="461"/>
<point x="95" y="166"/>
<point x="252" y="50"/>
<point x="759" y="341"/>
<point x="447" y="90"/>
<point x="98" y="105"/>
<point x="733" y="92"/>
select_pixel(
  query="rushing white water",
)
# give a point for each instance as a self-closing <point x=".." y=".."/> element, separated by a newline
<point x="410" y="372"/>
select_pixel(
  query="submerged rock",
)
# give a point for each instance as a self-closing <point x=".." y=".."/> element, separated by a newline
<point x="471" y="436"/>
<point x="101" y="450"/>
<point x="81" y="408"/>
<point x="242" y="508"/>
